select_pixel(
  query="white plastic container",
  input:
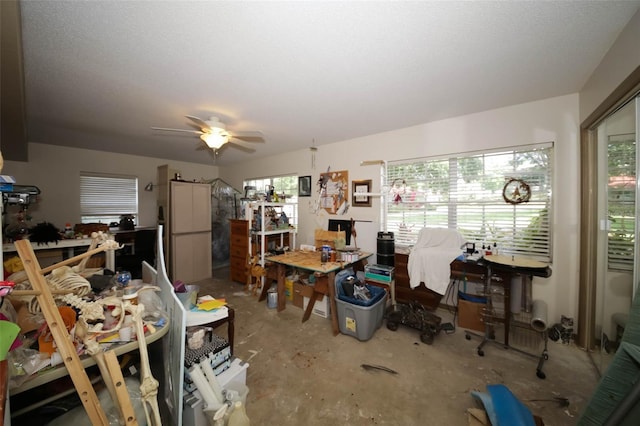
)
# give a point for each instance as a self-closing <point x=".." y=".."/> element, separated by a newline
<point x="238" y="416"/>
<point x="237" y="372"/>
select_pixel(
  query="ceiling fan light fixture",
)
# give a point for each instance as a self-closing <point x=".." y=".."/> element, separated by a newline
<point x="214" y="140"/>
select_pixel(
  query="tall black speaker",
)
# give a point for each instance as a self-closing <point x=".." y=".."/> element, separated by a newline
<point x="386" y="249"/>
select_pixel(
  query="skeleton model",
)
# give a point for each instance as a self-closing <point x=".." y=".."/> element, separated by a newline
<point x="92" y="311"/>
<point x="65" y="279"/>
<point x="68" y="285"/>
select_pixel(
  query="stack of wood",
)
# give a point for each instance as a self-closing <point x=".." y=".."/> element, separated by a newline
<point x="328" y="238"/>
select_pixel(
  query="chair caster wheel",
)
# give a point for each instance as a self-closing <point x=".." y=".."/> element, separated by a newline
<point x="466" y="336"/>
<point x="541" y="374"/>
<point x="480" y="352"/>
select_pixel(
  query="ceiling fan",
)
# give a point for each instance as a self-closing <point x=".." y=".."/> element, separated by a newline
<point x="214" y="134"/>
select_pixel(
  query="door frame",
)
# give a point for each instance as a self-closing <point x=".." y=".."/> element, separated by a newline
<point x="627" y="90"/>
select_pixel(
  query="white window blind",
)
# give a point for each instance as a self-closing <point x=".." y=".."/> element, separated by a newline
<point x="621" y="161"/>
<point x="107" y="197"/>
<point x="464" y="192"/>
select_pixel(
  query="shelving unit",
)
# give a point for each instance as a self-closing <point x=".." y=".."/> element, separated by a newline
<point x="261" y="233"/>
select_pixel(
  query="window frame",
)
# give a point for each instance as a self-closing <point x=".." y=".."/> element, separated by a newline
<point x="280" y="185"/>
<point x="522" y="229"/>
<point x="107" y="197"/>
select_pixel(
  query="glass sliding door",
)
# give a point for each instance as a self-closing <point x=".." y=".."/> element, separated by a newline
<point x="617" y="242"/>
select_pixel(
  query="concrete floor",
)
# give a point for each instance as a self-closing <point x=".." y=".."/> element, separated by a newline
<point x="302" y="374"/>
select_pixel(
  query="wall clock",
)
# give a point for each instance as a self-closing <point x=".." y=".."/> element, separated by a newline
<point x="516" y="191"/>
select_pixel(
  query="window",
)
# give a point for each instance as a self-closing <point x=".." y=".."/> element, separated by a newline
<point x="287" y="185"/>
<point x="464" y="192"/>
<point x="621" y="199"/>
<point x="104" y="198"/>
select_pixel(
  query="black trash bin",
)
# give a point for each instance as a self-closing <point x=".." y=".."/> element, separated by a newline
<point x="386" y="249"/>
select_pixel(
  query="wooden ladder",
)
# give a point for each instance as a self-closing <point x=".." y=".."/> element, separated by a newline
<point x="58" y="329"/>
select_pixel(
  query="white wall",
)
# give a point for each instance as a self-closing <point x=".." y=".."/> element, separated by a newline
<point x="56" y="170"/>
<point x="617" y="64"/>
<point x="550" y="120"/>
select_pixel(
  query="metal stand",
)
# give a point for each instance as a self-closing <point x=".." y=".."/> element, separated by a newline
<point x="489" y="334"/>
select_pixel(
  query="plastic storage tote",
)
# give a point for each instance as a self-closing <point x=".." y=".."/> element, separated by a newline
<point x="356" y="317"/>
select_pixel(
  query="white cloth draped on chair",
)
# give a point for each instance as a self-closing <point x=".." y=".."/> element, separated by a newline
<point x="431" y="256"/>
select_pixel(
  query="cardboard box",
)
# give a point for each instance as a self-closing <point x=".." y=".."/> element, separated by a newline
<point x="321" y="308"/>
<point x="47" y="257"/>
<point x="300" y="291"/>
<point x="471" y="315"/>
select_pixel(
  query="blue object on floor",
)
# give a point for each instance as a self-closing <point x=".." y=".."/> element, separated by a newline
<point x="503" y="408"/>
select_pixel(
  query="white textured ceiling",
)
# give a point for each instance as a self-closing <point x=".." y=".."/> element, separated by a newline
<point x="100" y="74"/>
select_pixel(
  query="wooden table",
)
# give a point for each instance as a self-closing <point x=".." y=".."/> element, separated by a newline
<point x="325" y="278"/>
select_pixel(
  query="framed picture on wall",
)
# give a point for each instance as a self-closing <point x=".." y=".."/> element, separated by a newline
<point x="361" y="186"/>
<point x="304" y="186"/>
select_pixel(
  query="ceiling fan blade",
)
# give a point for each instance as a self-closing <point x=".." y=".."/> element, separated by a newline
<point x="240" y="146"/>
<point x="201" y="123"/>
<point x="239" y="141"/>
<point x="249" y="136"/>
<point x="197" y="132"/>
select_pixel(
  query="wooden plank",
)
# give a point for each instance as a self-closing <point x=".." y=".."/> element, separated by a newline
<point x="60" y="334"/>
<point x="306" y="260"/>
<point x="124" y="401"/>
<point x="281" y="276"/>
<point x="332" y="302"/>
<point x="35" y="292"/>
<point x="328" y="238"/>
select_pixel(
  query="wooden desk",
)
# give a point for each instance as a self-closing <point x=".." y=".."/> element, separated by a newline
<point x="325" y="278"/>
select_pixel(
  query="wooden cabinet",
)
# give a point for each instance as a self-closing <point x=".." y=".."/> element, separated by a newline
<point x="460" y="270"/>
<point x="190" y="231"/>
<point x="404" y="293"/>
<point x="238" y="250"/>
<point x="190" y="207"/>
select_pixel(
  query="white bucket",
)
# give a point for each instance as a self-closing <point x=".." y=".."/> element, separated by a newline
<point x="272" y="299"/>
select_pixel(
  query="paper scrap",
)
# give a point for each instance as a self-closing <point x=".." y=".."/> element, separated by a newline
<point x="210" y="305"/>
